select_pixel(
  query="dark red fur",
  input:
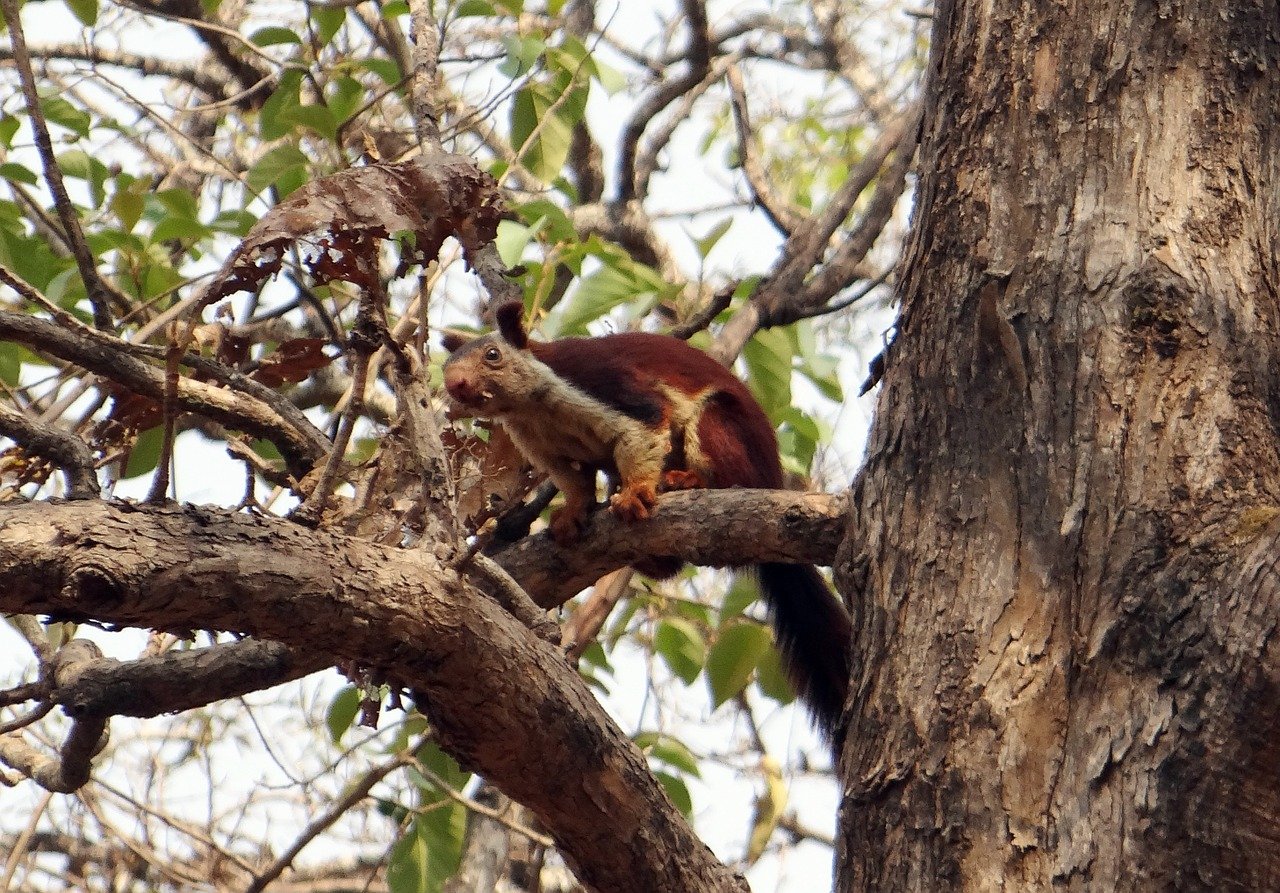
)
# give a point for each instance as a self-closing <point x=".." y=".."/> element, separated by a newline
<point x="735" y="435"/>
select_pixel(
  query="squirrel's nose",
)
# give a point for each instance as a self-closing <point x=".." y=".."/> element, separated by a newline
<point x="458" y="386"/>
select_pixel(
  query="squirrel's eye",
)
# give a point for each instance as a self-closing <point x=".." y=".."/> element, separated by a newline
<point x="492" y="355"/>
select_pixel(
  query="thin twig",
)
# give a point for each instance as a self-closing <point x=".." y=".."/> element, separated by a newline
<point x="99" y="295"/>
<point x="354" y="795"/>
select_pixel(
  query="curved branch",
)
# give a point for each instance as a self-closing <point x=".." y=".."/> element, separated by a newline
<point x="68" y="771"/>
<point x="67" y="451"/>
<point x="501" y="699"/>
<point x="300" y="444"/>
<point x="698" y="55"/>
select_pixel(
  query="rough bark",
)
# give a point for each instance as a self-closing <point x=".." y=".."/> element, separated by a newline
<point x="1061" y="557"/>
<point x="500" y="699"/>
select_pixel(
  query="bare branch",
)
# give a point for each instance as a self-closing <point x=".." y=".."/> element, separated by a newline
<point x="300" y="445"/>
<point x="781" y="214"/>
<point x="353" y="795"/>
<point x="698" y="56"/>
<point x="70" y="769"/>
<point x="67" y="451"/>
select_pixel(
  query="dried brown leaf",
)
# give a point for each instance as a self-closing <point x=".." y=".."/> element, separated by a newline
<point x="339" y="222"/>
<point x="293" y="360"/>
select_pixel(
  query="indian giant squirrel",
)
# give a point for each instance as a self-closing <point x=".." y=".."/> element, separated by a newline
<point x="655" y="414"/>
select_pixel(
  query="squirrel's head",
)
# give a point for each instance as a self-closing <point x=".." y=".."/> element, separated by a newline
<point x="489" y="375"/>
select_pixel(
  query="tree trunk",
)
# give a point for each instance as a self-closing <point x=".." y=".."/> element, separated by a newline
<point x="1061" y="547"/>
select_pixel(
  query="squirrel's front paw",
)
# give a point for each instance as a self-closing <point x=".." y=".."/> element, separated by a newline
<point x="633" y="503"/>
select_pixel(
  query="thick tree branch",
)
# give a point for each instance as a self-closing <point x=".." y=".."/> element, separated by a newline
<point x="183" y="680"/>
<point x="500" y="699"/>
<point x="720" y="528"/>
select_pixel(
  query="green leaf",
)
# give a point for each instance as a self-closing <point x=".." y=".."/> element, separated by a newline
<point x="523" y="54"/>
<point x="273" y="120"/>
<point x="180" y="202"/>
<point x="707" y="242"/>
<point x="443" y="765"/>
<point x="541" y="131"/>
<point x="511" y="241"/>
<point x="677" y="790"/>
<point x="315" y="117"/>
<point x="172" y="227"/>
<point x="160" y="279"/>
<point x="407" y="867"/>
<point x="610" y="79"/>
<point x="393" y="10"/>
<point x="474" y="9"/>
<point x="768" y="357"/>
<point x="31" y="258"/>
<point x="772" y="679"/>
<point x="128" y="204"/>
<point x="345" y="95"/>
<point x="284" y="166"/>
<point x="342" y="712"/>
<point x="9" y="126"/>
<point x="18" y="173"/>
<point x="84" y="166"/>
<point x="233" y="221"/>
<point x="619" y="281"/>
<point x="799" y="437"/>
<point x="11" y="359"/>
<point x="269" y="451"/>
<point x="145" y="452"/>
<point x="66" y="288"/>
<point x="444" y="831"/>
<point x="824" y="372"/>
<point x="555" y="222"/>
<point x="58" y="111"/>
<point x="744" y="591"/>
<point x="669" y="750"/>
<point x="328" y="20"/>
<point x="682" y="648"/>
<point x="274" y="35"/>
<point x="86" y="10"/>
<point x="734" y="657"/>
<point x="594" y="656"/>
<point x="385" y="69"/>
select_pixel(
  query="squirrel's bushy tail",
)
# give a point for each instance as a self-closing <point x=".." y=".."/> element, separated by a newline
<point x="813" y="633"/>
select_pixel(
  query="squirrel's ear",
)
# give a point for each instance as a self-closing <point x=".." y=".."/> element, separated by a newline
<point x="453" y="340"/>
<point x="510" y="318"/>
